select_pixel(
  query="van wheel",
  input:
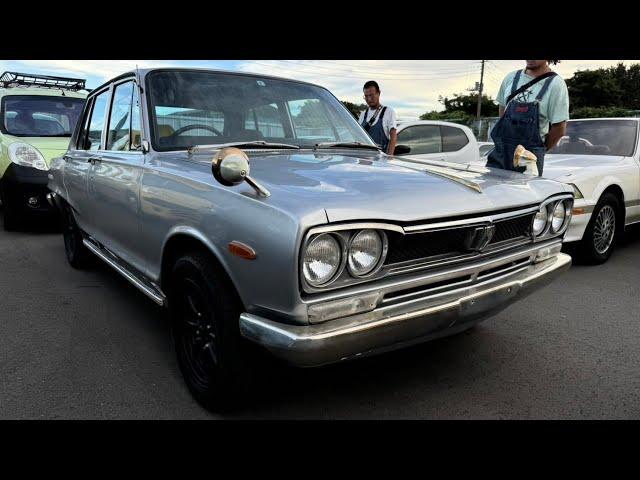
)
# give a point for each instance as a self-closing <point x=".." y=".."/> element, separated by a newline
<point x="11" y="220"/>
<point x="78" y="256"/>
<point x="602" y="232"/>
<point x="204" y="309"/>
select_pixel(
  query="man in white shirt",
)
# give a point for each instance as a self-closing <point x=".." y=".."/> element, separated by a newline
<point x="378" y="120"/>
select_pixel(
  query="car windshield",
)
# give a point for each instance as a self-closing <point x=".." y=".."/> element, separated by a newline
<point x="207" y="108"/>
<point x="40" y="115"/>
<point x="599" y="137"/>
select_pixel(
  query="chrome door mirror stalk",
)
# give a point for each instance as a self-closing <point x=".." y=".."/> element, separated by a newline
<point x="231" y="167"/>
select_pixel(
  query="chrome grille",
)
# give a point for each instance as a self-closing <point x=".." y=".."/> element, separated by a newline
<point x="448" y="243"/>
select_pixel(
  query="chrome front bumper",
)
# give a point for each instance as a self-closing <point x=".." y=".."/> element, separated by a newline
<point x="400" y="325"/>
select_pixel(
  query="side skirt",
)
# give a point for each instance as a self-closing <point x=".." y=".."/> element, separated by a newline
<point x="147" y="287"/>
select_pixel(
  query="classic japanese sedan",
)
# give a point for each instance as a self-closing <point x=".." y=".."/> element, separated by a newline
<point x="600" y="158"/>
<point x="260" y="213"/>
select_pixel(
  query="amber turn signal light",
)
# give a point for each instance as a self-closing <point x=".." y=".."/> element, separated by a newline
<point x="241" y="250"/>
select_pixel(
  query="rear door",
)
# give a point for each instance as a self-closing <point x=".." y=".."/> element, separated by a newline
<point x="78" y="159"/>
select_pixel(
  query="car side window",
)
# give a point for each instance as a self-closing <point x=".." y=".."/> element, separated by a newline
<point x="96" y="124"/>
<point x="119" y="134"/>
<point x="82" y="136"/>
<point x="421" y="139"/>
<point x="453" y="139"/>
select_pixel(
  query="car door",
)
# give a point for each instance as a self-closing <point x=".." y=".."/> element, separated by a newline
<point x="114" y="179"/>
<point x="78" y="159"/>
<point x="425" y="142"/>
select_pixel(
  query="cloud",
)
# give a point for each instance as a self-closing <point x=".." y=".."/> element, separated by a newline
<point x="410" y="86"/>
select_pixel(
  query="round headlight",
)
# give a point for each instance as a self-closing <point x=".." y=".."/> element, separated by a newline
<point x="365" y="252"/>
<point x="26" y="155"/>
<point x="321" y="259"/>
<point x="540" y="221"/>
<point x="558" y="217"/>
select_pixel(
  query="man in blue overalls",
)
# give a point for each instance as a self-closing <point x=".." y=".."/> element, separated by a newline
<point x="379" y="121"/>
<point x="534" y="109"/>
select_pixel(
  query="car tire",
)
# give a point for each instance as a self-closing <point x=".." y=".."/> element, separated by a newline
<point x="11" y="220"/>
<point x="217" y="364"/>
<point x="78" y="256"/>
<point x="602" y="232"/>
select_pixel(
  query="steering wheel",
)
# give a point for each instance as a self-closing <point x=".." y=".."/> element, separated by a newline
<point x="196" y="127"/>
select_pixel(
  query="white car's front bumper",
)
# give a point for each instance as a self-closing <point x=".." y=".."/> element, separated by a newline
<point x="579" y="221"/>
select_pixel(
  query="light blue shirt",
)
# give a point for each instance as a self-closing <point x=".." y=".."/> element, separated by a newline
<point x="554" y="106"/>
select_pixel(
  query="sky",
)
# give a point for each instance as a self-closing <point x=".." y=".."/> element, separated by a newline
<point x="412" y="87"/>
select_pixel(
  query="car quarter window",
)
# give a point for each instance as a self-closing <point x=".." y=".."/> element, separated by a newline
<point x="453" y="139"/>
<point x="96" y="122"/>
<point x="82" y="135"/>
<point x="124" y="119"/>
<point x="422" y="139"/>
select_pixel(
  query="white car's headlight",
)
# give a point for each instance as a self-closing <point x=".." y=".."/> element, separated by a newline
<point x="365" y="252"/>
<point x="558" y="217"/>
<point x="576" y="192"/>
<point x="27" y="156"/>
<point x="321" y="260"/>
<point x="540" y="221"/>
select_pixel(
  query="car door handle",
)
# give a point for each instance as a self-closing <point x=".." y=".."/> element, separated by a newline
<point x="66" y="158"/>
<point x="94" y="160"/>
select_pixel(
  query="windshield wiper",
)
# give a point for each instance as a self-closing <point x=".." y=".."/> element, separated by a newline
<point x="347" y="145"/>
<point x="253" y="144"/>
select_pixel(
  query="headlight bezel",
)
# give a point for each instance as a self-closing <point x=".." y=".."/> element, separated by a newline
<point x="550" y="205"/>
<point x="344" y="234"/>
<point x="14" y="158"/>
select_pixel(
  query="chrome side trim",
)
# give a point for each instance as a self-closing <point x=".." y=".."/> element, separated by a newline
<point x="155" y="296"/>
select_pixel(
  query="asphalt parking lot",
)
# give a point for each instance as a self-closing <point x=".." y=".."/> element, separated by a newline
<point x="87" y="345"/>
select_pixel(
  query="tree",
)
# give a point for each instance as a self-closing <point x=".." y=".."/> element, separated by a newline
<point x="613" y="87"/>
<point x="354" y="109"/>
<point x="462" y="108"/>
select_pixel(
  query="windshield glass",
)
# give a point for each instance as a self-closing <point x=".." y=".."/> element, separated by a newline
<point x="204" y="108"/>
<point x="598" y="137"/>
<point x="40" y="115"/>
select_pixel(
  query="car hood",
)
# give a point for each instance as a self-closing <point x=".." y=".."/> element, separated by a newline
<point x="49" y="147"/>
<point x="373" y="186"/>
<point x="571" y="168"/>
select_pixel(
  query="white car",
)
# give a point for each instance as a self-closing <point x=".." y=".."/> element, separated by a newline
<point x="601" y="159"/>
<point x="436" y="140"/>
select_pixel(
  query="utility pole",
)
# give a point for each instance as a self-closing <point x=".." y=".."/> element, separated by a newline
<point x="480" y="91"/>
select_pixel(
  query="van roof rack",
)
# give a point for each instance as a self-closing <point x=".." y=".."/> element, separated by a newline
<point x="13" y="79"/>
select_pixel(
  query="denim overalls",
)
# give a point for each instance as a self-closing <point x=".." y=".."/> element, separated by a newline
<point x="518" y="126"/>
<point x="376" y="132"/>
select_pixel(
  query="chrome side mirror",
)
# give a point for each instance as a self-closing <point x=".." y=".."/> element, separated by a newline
<point x="231" y="167"/>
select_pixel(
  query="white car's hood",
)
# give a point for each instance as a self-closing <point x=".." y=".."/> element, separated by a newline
<point x="570" y="168"/>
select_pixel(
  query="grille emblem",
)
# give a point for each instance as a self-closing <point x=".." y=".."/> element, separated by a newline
<point x="478" y="238"/>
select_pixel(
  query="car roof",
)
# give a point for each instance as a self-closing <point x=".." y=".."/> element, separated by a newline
<point x="604" y="118"/>
<point x="51" y="92"/>
<point x="432" y="122"/>
<point x="143" y="72"/>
